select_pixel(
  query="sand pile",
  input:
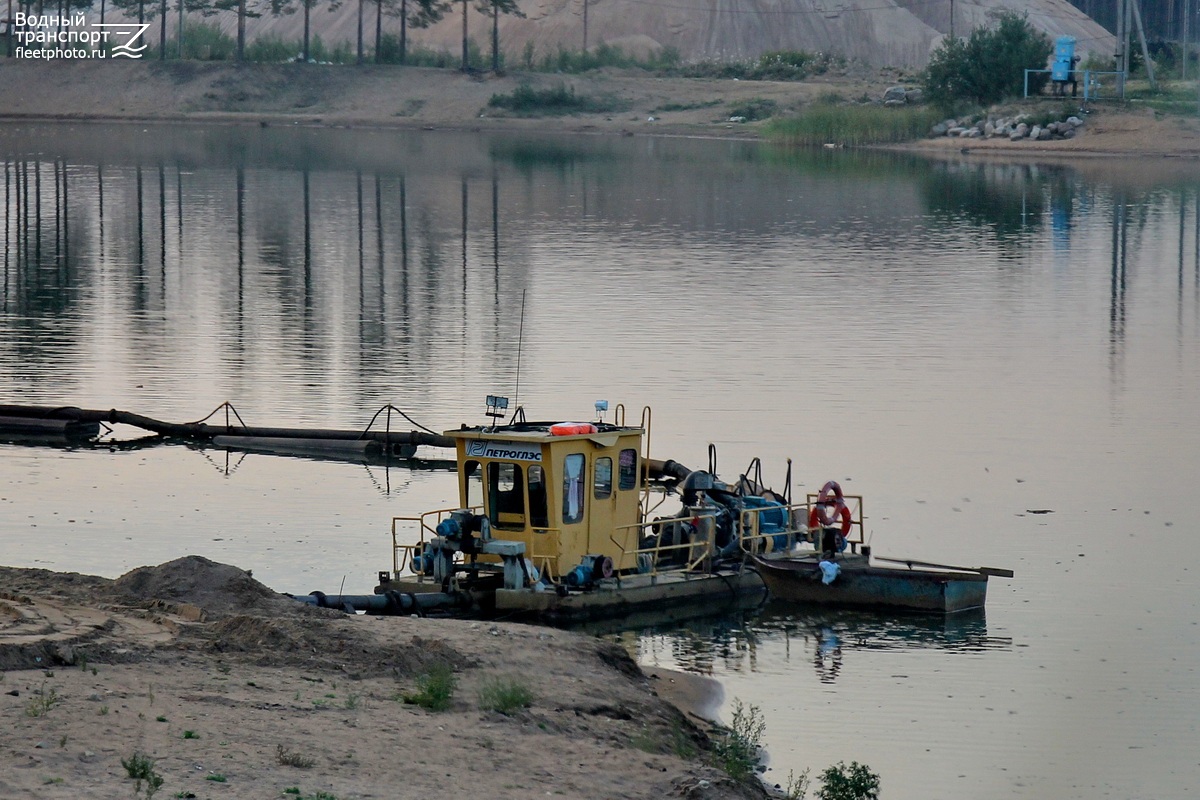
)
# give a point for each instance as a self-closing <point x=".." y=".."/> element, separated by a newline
<point x="232" y="690"/>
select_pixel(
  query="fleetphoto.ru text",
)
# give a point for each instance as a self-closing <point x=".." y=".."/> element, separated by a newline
<point x="50" y="36"/>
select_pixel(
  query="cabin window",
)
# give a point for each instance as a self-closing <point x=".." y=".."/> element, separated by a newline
<point x="473" y="480"/>
<point x="628" y="469"/>
<point x="506" y="495"/>
<point x="539" y="517"/>
<point x="573" y="469"/>
<point x="603" y="478"/>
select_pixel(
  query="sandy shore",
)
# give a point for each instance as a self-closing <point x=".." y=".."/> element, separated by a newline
<point x="235" y="691"/>
<point x="412" y="97"/>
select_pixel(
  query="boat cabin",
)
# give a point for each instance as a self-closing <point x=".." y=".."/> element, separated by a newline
<point x="567" y="490"/>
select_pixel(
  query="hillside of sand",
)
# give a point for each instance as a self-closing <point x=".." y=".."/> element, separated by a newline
<point x="879" y="33"/>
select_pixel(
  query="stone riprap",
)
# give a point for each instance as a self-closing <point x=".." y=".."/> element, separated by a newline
<point x="1014" y="128"/>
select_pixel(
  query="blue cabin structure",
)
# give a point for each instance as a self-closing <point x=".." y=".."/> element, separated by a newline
<point x="1064" y="59"/>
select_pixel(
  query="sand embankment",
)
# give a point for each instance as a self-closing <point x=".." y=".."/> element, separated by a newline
<point x="236" y="691"/>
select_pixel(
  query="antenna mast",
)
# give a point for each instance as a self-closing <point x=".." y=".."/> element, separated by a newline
<point x="520" y="340"/>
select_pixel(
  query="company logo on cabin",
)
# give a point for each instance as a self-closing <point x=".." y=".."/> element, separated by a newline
<point x="509" y="451"/>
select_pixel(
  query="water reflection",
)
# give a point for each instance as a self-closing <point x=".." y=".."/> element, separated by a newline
<point x="986" y="338"/>
<point x="784" y="637"/>
<point x="315" y="260"/>
<point x="1008" y="198"/>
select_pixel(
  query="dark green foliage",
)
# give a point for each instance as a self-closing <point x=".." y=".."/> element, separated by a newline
<point x="754" y="109"/>
<point x="780" y="65"/>
<point x="688" y="106"/>
<point x="435" y="689"/>
<point x="736" y="749"/>
<point x="140" y="769"/>
<point x="989" y="65"/>
<point x="418" y="56"/>
<point x="854" y="782"/>
<point x="272" y="49"/>
<point x="525" y="101"/>
<point x="505" y="695"/>
<point x="575" y="61"/>
<point x="202" y="41"/>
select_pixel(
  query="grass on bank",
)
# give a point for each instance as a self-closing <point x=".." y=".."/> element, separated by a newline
<point x="851" y="125"/>
<point x="526" y="101"/>
<point x="435" y="689"/>
<point x="505" y="695"/>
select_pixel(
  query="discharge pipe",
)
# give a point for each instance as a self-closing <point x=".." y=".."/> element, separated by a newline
<point x="389" y="603"/>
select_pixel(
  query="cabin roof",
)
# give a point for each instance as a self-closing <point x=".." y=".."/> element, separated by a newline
<point x="540" y="432"/>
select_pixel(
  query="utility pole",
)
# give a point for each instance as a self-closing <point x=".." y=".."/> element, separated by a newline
<point x="1123" y="25"/>
<point x="1137" y="16"/>
<point x="1119" y="56"/>
<point x="951" y="19"/>
<point x="1187" y="12"/>
<point x="585" y="5"/>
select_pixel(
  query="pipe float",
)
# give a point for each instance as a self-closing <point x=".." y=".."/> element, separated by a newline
<point x="204" y="431"/>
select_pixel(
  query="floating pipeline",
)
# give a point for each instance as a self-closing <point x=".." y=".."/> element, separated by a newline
<point x="21" y="419"/>
<point x="37" y="428"/>
<point x="80" y="424"/>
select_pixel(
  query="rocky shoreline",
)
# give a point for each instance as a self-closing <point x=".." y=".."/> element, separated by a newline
<point x="1016" y="128"/>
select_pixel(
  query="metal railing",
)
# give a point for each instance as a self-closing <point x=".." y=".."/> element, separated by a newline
<point x="402" y="554"/>
<point x="754" y="540"/>
<point x="1097" y="84"/>
<point x="700" y="551"/>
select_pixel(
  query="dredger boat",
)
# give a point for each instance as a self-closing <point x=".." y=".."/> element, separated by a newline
<point x="564" y="522"/>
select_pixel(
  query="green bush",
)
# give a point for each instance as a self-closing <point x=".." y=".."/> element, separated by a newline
<point x="736" y="749"/>
<point x="505" y="695"/>
<point x="754" y="109"/>
<point x="272" y="49"/>
<point x="140" y="768"/>
<point x="854" y="782"/>
<point x="525" y="101"/>
<point x="434" y="689"/>
<point x="203" y="41"/>
<point x="989" y="65"/>
<point x="604" y="55"/>
<point x="779" y="65"/>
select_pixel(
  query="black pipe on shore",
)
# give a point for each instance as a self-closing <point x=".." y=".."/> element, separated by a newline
<point x="205" y="431"/>
<point x="391" y="602"/>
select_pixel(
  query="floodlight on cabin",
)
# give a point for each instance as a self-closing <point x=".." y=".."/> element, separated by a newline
<point x="496" y="406"/>
<point x="601" y="407"/>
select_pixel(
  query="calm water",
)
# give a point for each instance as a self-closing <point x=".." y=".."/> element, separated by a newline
<point x="962" y="342"/>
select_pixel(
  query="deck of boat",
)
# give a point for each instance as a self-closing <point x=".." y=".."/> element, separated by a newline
<point x="861" y="584"/>
<point x="668" y="595"/>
